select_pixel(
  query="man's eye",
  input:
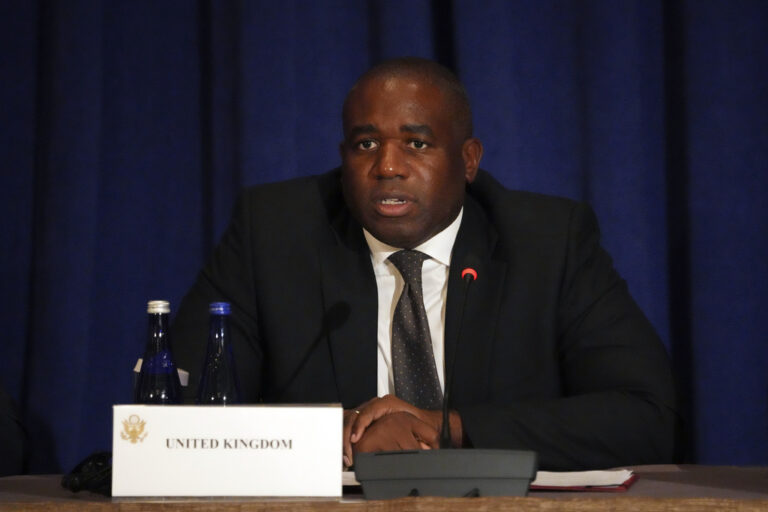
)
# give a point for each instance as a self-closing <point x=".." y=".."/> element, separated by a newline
<point x="417" y="144"/>
<point x="366" y="144"/>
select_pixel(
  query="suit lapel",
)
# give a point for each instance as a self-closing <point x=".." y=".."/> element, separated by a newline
<point x="350" y="302"/>
<point x="474" y="247"/>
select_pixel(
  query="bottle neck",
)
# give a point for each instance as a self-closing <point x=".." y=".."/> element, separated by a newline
<point x="158" y="330"/>
<point x="219" y="329"/>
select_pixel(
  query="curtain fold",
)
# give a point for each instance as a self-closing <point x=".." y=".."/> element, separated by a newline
<point x="128" y="127"/>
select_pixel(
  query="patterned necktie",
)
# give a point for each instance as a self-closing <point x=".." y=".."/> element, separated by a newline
<point x="413" y="362"/>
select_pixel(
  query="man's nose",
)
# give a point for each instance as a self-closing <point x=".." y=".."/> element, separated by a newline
<point x="389" y="161"/>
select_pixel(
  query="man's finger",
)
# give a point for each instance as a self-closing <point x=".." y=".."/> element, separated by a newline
<point x="350" y="417"/>
<point x="376" y="408"/>
<point x="426" y="434"/>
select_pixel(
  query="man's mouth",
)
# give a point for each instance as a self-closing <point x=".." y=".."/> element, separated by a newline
<point x="393" y="206"/>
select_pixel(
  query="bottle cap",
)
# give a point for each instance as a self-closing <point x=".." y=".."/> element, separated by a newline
<point x="158" y="306"/>
<point x="219" y="308"/>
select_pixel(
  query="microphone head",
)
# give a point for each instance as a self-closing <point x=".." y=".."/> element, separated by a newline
<point x="469" y="272"/>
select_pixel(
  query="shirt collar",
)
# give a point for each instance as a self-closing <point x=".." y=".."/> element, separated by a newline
<point x="439" y="247"/>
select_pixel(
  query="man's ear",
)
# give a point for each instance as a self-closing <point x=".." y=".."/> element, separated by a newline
<point x="471" y="152"/>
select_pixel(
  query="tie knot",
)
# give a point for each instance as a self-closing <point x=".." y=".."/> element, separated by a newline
<point x="409" y="264"/>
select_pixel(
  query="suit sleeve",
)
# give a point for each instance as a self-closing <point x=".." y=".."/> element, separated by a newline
<point x="617" y="401"/>
<point x="12" y="437"/>
<point x="229" y="277"/>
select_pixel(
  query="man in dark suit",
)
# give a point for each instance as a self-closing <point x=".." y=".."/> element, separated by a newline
<point x="551" y="353"/>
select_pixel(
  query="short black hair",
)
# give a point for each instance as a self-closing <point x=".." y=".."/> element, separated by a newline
<point x="432" y="72"/>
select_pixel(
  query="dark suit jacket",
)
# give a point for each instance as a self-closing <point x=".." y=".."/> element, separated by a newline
<point x="12" y="437"/>
<point x="554" y="354"/>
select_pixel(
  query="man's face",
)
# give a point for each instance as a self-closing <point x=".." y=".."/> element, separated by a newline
<point x="405" y="163"/>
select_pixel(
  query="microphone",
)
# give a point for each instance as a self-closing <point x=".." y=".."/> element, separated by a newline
<point x="451" y="473"/>
<point x="469" y="275"/>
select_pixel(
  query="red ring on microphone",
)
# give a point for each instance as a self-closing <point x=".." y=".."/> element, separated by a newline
<point x="469" y="271"/>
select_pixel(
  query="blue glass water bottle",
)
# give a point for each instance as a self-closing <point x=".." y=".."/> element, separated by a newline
<point x="158" y="378"/>
<point x="218" y="381"/>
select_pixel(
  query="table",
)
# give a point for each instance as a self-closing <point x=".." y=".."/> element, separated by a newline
<point x="659" y="488"/>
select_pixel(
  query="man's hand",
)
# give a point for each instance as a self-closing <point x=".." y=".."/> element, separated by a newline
<point x="367" y="415"/>
<point x="398" y="431"/>
<point x="376" y="408"/>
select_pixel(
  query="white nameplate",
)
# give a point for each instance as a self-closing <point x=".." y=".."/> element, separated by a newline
<point x="226" y="451"/>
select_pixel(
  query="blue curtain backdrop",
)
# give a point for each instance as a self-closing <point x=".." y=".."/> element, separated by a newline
<point x="127" y="127"/>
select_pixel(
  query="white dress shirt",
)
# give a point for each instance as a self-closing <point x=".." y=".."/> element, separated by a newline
<point x="434" y="275"/>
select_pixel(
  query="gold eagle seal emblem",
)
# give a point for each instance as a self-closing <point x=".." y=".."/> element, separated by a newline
<point x="133" y="429"/>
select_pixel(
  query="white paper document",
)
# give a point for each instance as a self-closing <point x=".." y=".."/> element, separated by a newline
<point x="587" y="479"/>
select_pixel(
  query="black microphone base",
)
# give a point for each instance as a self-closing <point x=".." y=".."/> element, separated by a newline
<point x="449" y="473"/>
